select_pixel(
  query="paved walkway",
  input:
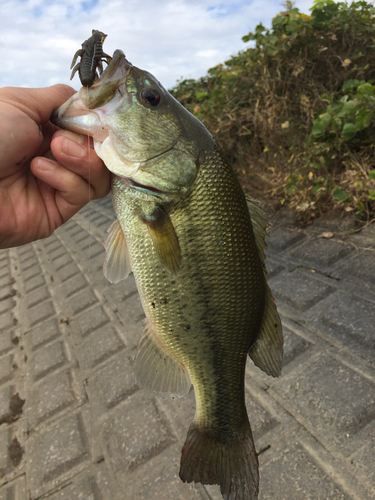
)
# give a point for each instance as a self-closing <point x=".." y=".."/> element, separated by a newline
<point x="73" y="425"/>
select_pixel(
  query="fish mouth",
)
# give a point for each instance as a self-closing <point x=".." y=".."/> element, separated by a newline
<point x="80" y="113"/>
<point x="132" y="184"/>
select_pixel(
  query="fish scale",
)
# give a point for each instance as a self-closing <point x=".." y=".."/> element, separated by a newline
<point x="219" y="291"/>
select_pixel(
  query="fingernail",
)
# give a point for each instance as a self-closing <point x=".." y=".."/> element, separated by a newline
<point x="45" y="164"/>
<point x="78" y="138"/>
<point x="71" y="148"/>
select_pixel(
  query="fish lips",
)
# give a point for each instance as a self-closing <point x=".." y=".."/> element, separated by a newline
<point x="78" y="113"/>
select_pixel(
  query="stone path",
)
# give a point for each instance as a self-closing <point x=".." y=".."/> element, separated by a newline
<point x="74" y="426"/>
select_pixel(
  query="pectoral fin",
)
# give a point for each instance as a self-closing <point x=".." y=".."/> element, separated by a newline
<point x="116" y="266"/>
<point x="164" y="238"/>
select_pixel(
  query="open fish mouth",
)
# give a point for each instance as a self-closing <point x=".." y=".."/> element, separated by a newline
<point x="84" y="110"/>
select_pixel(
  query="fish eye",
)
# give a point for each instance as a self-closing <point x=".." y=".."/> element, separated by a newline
<point x="150" y="96"/>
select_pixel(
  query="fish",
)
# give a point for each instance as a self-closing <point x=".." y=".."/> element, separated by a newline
<point x="196" y="246"/>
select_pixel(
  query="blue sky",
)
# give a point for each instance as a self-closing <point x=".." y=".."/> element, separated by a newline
<point x="169" y="38"/>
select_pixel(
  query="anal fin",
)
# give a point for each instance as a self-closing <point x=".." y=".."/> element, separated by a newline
<point x="267" y="352"/>
<point x="155" y="370"/>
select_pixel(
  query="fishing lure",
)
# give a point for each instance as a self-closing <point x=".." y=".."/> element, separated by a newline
<point x="92" y="57"/>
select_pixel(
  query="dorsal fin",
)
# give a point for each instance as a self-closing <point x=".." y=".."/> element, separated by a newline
<point x="267" y="352"/>
<point x="259" y="226"/>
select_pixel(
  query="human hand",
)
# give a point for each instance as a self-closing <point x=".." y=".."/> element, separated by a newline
<point x="46" y="174"/>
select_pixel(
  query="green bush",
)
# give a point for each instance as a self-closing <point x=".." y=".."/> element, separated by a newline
<point x="295" y="111"/>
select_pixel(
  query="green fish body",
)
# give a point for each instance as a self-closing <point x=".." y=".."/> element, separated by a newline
<point x="195" y="244"/>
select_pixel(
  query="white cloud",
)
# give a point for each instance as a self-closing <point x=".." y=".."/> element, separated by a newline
<point x="169" y="38"/>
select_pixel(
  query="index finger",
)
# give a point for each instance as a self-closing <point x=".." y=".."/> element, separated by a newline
<point x="37" y="103"/>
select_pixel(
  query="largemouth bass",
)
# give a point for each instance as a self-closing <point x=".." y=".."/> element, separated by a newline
<point x="196" y="247"/>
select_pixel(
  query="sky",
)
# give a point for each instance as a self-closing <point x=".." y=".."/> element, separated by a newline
<point x="172" y="39"/>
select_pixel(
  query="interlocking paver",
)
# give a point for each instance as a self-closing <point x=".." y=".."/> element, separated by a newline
<point x="293" y="473"/>
<point x="57" y="449"/>
<point x="338" y="414"/>
<point x="73" y="425"/>
<point x="42" y="334"/>
<point x="49" y="359"/>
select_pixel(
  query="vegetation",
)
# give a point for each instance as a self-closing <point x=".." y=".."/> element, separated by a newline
<point x="296" y="112"/>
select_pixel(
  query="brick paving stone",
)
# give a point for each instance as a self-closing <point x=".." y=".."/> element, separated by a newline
<point x="82" y="300"/>
<point x="14" y="490"/>
<point x="159" y="479"/>
<point x="93" y="486"/>
<point x="360" y="266"/>
<point x="72" y="227"/>
<point x="49" y="359"/>
<point x="29" y="262"/>
<point x="6" y="292"/>
<point x="299" y="289"/>
<point x="113" y="383"/>
<point x="41" y="312"/>
<point x="282" y="238"/>
<point x="98" y="347"/>
<point x="68" y="271"/>
<point x="128" y="444"/>
<point x="8" y="340"/>
<point x="34" y="283"/>
<point x="52" y="243"/>
<point x="90" y="247"/>
<point x="261" y="420"/>
<point x="294" y="345"/>
<point x="11" y="452"/>
<point x="25" y="251"/>
<point x="52" y="395"/>
<point x="336" y="415"/>
<point x="73" y="285"/>
<point x="42" y="334"/>
<point x="87" y="322"/>
<point x="58" y="449"/>
<point x="6" y="371"/>
<point x="292" y="473"/>
<point x="351" y="322"/>
<point x="364" y="460"/>
<point x="273" y="268"/>
<point x="5" y="270"/>
<point x="56" y="253"/>
<point x="321" y="253"/>
<point x="38" y="296"/>
<point x="6" y="304"/>
<point x="6" y="321"/>
<point x="5" y="395"/>
<point x="80" y="236"/>
<point x="31" y="272"/>
<point x="62" y="261"/>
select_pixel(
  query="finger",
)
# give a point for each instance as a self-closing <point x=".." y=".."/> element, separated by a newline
<point x="37" y="103"/>
<point x="70" y="191"/>
<point x="47" y="131"/>
<point x="75" y="152"/>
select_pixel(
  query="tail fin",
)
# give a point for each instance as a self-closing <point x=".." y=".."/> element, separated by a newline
<point x="230" y="462"/>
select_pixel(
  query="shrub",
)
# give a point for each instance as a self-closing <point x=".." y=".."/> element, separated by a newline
<point x="295" y="112"/>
